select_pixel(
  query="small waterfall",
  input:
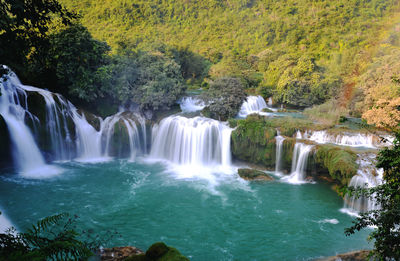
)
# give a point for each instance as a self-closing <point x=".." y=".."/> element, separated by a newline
<point x="346" y="139"/>
<point x="5" y="223"/>
<point x="367" y="177"/>
<point x="270" y="102"/>
<point x="26" y="153"/>
<point x="253" y="104"/>
<point x="299" y="163"/>
<point x="191" y="104"/>
<point x="298" y="135"/>
<point x="192" y="141"/>
<point x="279" y="142"/>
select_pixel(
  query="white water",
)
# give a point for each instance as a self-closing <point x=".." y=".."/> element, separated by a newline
<point x="26" y="153"/>
<point x="191" y="104"/>
<point x="89" y="144"/>
<point x="254" y="104"/>
<point x="279" y="142"/>
<point x="196" y="147"/>
<point x="5" y="222"/>
<point x="348" y="139"/>
<point x="368" y="176"/>
<point x="299" y="163"/>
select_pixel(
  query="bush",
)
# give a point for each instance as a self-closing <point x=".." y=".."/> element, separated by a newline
<point x="52" y="238"/>
<point x="224" y="97"/>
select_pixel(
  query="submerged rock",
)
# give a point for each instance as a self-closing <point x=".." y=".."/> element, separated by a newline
<point x="159" y="252"/>
<point x="252" y="174"/>
<point x="361" y="255"/>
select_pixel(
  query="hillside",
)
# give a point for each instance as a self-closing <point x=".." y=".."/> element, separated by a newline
<point x="301" y="52"/>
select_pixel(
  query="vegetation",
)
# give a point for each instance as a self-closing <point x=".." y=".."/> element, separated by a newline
<point x="340" y="163"/>
<point x="224" y="97"/>
<point x="385" y="219"/>
<point x="52" y="238"/>
<point x="279" y="48"/>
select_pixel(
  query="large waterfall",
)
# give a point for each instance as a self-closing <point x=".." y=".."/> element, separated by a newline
<point x="254" y="104"/>
<point x="195" y="141"/>
<point x="299" y="163"/>
<point x="81" y="142"/>
<point x="26" y="153"/>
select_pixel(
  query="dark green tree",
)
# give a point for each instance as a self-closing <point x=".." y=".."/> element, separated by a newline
<point x="150" y="80"/>
<point x="224" y="97"/>
<point x="77" y="61"/>
<point x="24" y="27"/>
<point x="385" y="219"/>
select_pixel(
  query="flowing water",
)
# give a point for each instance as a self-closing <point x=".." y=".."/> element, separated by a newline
<point x="229" y="220"/>
<point x="184" y="191"/>
<point x="254" y="104"/>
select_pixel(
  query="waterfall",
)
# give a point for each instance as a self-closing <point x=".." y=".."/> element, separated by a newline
<point x="299" y="163"/>
<point x="270" y="103"/>
<point x="191" y="104"/>
<point x="254" y="104"/>
<point x="368" y="176"/>
<point x="66" y="132"/>
<point x="347" y="139"/>
<point x="279" y="142"/>
<point x="5" y="222"/>
<point x="26" y="153"/>
<point x="298" y="135"/>
<point x="192" y="141"/>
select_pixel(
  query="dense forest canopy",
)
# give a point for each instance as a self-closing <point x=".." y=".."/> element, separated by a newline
<point x="301" y="53"/>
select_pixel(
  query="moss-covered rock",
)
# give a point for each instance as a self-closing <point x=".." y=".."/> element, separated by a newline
<point x="253" y="141"/>
<point x="338" y="162"/>
<point x="252" y="174"/>
<point x="159" y="252"/>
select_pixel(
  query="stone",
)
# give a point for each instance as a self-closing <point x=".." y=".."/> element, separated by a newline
<point x="252" y="174"/>
<point x="119" y="253"/>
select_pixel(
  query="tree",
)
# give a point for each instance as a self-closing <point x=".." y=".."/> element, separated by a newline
<point x="224" y="97"/>
<point x="150" y="80"/>
<point x="385" y="219"/>
<point x="24" y="26"/>
<point x="78" y="61"/>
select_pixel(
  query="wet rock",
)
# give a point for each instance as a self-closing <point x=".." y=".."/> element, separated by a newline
<point x="361" y="255"/>
<point x="252" y="174"/>
<point x="119" y="253"/>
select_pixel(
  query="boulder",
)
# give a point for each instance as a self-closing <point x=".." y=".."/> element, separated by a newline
<point x="119" y="253"/>
<point x="252" y="174"/>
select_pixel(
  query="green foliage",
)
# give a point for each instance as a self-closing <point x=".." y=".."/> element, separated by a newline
<point x="78" y="62"/>
<point x="52" y="238"/>
<point x="340" y="163"/>
<point x="159" y="252"/>
<point x="246" y="39"/>
<point x="385" y="219"/>
<point x="299" y="81"/>
<point x="224" y="98"/>
<point x="24" y="25"/>
<point x="151" y="80"/>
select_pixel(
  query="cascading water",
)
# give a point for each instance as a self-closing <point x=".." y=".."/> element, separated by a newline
<point x="368" y="176"/>
<point x="192" y="141"/>
<point x="191" y="104"/>
<point x="253" y="104"/>
<point x="26" y="153"/>
<point x="86" y="143"/>
<point x="279" y="142"/>
<point x="299" y="163"/>
<point x="349" y="139"/>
